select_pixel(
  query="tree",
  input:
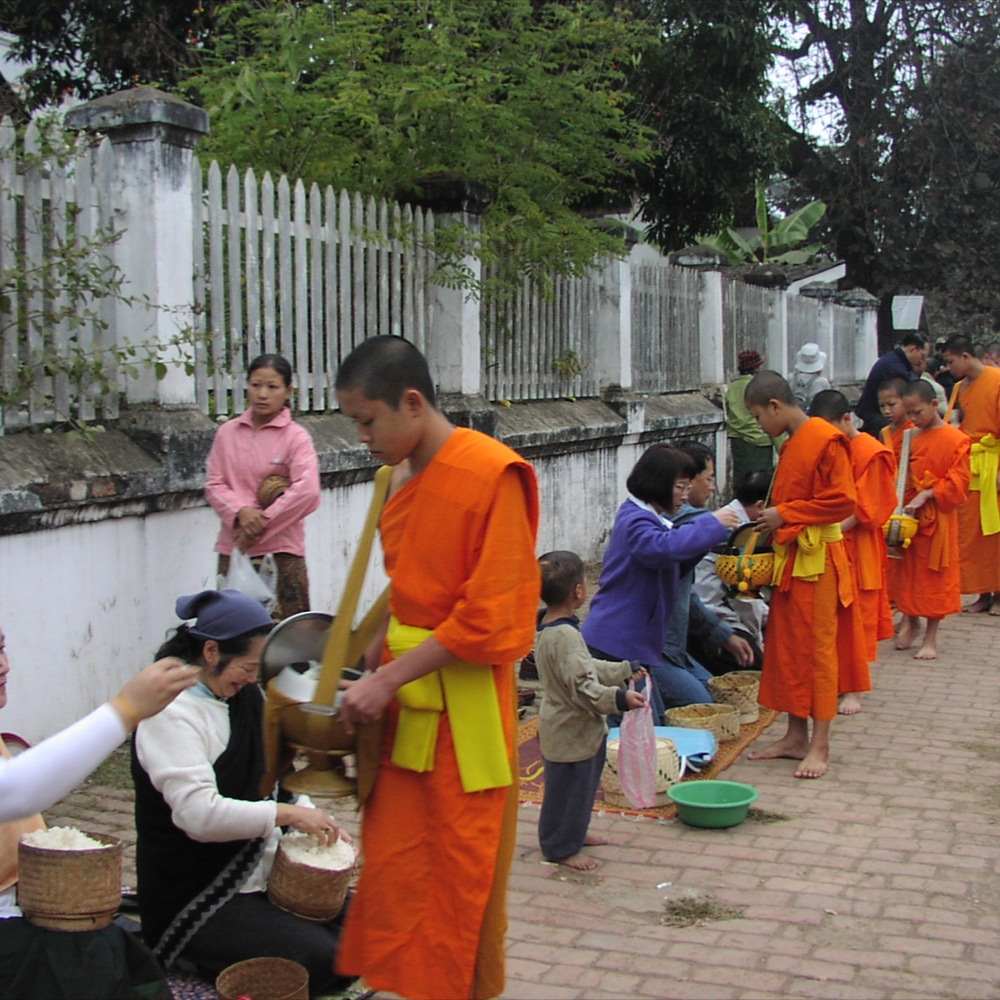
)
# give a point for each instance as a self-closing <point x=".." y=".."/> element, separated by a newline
<point x="524" y="98"/>
<point x="702" y="86"/>
<point x="857" y="66"/>
<point x="943" y="182"/>
<point x="91" y="47"/>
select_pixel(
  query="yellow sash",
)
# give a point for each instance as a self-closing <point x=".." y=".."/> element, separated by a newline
<point x="985" y="463"/>
<point x="469" y="692"/>
<point x="810" y="552"/>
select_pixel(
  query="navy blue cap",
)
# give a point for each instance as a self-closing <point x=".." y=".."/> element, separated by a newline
<point x="222" y="614"/>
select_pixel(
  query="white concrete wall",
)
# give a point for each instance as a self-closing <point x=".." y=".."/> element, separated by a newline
<point x="84" y="607"/>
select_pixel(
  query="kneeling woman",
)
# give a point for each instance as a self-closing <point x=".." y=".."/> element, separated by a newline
<point x="206" y="839"/>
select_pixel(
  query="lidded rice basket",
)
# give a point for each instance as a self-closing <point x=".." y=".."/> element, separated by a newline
<point x="738" y="688"/>
<point x="70" y="890"/>
<point x="264" y="979"/>
<point x="740" y="566"/>
<point x="308" y="891"/>
<point x="668" y="772"/>
<point x="723" y="720"/>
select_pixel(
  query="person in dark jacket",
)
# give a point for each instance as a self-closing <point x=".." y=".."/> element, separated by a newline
<point x="898" y="363"/>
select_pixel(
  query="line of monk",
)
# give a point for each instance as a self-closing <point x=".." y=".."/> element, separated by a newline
<point x="458" y="536"/>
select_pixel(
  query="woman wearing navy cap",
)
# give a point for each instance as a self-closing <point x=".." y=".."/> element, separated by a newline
<point x="206" y="838"/>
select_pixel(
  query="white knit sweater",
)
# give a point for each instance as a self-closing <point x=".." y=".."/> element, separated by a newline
<point x="178" y="749"/>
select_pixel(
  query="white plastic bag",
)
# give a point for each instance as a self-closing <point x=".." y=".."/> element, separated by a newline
<point x="243" y="577"/>
<point x="637" y="754"/>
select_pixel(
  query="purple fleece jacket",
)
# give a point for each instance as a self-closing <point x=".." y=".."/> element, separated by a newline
<point x="629" y="613"/>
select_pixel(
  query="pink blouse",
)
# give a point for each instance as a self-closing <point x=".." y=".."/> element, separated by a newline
<point x="242" y="457"/>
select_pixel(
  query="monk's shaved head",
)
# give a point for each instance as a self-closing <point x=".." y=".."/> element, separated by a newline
<point x="829" y="405"/>
<point x="896" y="385"/>
<point x="959" y="345"/>
<point x="383" y="368"/>
<point x="765" y="386"/>
<point x="922" y="389"/>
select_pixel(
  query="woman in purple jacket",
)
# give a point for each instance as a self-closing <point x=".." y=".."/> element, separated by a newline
<point x="629" y="613"/>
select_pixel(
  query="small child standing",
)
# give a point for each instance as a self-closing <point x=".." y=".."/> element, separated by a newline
<point x="577" y="693"/>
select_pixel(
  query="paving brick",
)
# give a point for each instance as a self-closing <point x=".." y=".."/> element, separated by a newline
<point x="922" y="946"/>
<point x="605" y="941"/>
<point x="518" y="989"/>
<point x="812" y="968"/>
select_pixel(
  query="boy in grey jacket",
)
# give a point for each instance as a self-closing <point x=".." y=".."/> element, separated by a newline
<point x="577" y="693"/>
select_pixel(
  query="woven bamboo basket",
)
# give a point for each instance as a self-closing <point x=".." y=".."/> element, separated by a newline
<point x="70" y="890"/>
<point x="263" y="979"/>
<point x="738" y="688"/>
<point x="308" y="892"/>
<point x="745" y="573"/>
<point x="723" y="720"/>
<point x="668" y="772"/>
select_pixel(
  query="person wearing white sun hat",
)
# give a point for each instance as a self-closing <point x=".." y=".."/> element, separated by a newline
<point x="808" y="378"/>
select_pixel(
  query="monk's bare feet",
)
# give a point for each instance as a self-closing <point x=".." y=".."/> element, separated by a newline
<point x="995" y="606"/>
<point x="784" y="749"/>
<point x="850" y="704"/>
<point x="926" y="652"/>
<point x="982" y="603"/>
<point x="814" y="765"/>
<point x="593" y="840"/>
<point x="907" y="633"/>
<point x="579" y="863"/>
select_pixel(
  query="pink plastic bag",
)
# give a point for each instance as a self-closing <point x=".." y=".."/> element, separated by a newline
<point x="637" y="754"/>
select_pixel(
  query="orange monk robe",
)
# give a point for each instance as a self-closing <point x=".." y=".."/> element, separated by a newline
<point x="979" y="401"/>
<point x="892" y="437"/>
<point x="812" y="622"/>
<point x="929" y="577"/>
<point x="429" y="917"/>
<point x="875" y="480"/>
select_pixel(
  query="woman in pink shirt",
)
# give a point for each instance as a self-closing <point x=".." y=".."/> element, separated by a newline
<point x="265" y="442"/>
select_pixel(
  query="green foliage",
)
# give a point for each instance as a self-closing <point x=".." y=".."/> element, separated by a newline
<point x="92" y="47"/>
<point x="779" y="243"/>
<point x="526" y="98"/>
<point x="702" y="86"/>
<point x="942" y="192"/>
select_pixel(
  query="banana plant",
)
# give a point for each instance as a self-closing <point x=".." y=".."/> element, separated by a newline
<point x="773" y="244"/>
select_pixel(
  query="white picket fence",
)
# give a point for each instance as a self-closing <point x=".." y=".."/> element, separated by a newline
<point x="541" y="343"/>
<point x="666" y="349"/>
<point x="303" y="272"/>
<point x="47" y="202"/>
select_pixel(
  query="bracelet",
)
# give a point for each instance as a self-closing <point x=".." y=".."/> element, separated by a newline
<point x="127" y="711"/>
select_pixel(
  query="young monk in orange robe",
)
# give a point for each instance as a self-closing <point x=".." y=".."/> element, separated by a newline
<point x="813" y="600"/>
<point x="929" y="578"/>
<point x="890" y="401"/>
<point x="875" y="480"/>
<point x="438" y="830"/>
<point x="979" y="523"/>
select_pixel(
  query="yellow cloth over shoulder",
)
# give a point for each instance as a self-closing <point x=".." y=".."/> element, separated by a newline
<point x="810" y="552"/>
<point x="468" y="692"/>
<point x="984" y="462"/>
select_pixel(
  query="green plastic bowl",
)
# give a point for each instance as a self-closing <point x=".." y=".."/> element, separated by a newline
<point x="712" y="804"/>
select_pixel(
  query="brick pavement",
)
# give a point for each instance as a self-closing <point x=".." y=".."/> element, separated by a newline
<point x="883" y="881"/>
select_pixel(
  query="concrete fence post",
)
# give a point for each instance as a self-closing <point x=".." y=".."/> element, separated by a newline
<point x="153" y="135"/>
<point x="777" y="333"/>
<point x="614" y="326"/>
<point x="713" y="362"/>
<point x="454" y="340"/>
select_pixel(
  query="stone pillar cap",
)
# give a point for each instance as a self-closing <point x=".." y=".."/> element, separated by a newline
<point x="135" y="107"/>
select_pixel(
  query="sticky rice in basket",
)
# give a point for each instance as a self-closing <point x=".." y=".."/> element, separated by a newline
<point x="69" y="880"/>
<point x="309" y="878"/>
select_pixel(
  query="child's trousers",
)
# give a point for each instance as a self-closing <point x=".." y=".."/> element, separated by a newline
<point x="570" y="790"/>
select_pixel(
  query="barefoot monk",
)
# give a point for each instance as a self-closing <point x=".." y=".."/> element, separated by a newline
<point x="814" y="592"/>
